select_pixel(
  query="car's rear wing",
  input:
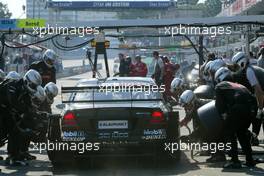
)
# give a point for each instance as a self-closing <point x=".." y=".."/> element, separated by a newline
<point x="92" y="93"/>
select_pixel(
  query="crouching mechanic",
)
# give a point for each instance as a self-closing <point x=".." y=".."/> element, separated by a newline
<point x="177" y="88"/>
<point x="51" y="91"/>
<point x="251" y="77"/>
<point x="191" y="104"/>
<point x="32" y="122"/>
<point x="15" y="100"/>
<point x="237" y="107"/>
<point x="13" y="75"/>
<point x="41" y="102"/>
<point x="46" y="67"/>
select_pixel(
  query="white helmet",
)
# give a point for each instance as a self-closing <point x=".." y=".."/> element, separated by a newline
<point x="176" y="84"/>
<point x="51" y="91"/>
<point x="240" y="59"/>
<point x="49" y="57"/>
<point x="2" y="75"/>
<point x="221" y="74"/>
<point x="207" y="67"/>
<point x="216" y="64"/>
<point x="39" y="96"/>
<point x="186" y="97"/>
<point x="32" y="80"/>
<point x="13" y="75"/>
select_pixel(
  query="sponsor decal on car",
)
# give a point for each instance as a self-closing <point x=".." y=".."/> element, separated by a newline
<point x="154" y="134"/>
<point x="112" y="135"/>
<point x="73" y="136"/>
<point x="113" y="124"/>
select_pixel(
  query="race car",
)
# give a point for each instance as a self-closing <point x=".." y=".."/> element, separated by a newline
<point x="115" y="121"/>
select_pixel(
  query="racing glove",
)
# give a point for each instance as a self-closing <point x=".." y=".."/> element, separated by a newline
<point x="184" y="122"/>
<point x="260" y="113"/>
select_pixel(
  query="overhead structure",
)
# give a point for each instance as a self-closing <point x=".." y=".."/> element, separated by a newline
<point x="160" y="23"/>
<point x="104" y="25"/>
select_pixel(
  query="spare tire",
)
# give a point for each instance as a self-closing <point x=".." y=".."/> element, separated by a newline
<point x="210" y="118"/>
<point x="204" y="92"/>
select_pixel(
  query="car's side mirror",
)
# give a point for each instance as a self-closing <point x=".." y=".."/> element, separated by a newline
<point x="60" y="106"/>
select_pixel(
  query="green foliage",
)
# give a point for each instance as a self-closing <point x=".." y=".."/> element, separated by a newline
<point x="212" y="7"/>
<point x="4" y="12"/>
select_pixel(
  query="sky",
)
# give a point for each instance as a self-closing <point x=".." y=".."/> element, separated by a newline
<point x="15" y="6"/>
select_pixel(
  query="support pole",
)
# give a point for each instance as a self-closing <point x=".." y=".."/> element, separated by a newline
<point x="201" y="56"/>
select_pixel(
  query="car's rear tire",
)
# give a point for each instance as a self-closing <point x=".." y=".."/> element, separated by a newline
<point x="166" y="158"/>
<point x="172" y="156"/>
<point x="57" y="158"/>
<point x="60" y="159"/>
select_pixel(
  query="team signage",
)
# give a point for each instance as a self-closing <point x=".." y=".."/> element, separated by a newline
<point x="109" y="4"/>
<point x="21" y="23"/>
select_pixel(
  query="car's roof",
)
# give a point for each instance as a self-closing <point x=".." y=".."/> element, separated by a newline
<point x="116" y="81"/>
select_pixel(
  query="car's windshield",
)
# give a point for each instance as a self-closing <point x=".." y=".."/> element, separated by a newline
<point x="101" y="96"/>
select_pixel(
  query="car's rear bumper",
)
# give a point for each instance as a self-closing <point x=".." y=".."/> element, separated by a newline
<point x="121" y="148"/>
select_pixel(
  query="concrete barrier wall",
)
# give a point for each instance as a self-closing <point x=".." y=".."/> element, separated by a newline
<point x="71" y="71"/>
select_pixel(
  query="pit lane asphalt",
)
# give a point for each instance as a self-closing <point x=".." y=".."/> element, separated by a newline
<point x="126" y="166"/>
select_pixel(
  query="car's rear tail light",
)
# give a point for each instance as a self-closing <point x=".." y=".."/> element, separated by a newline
<point x="157" y="117"/>
<point x="69" y="118"/>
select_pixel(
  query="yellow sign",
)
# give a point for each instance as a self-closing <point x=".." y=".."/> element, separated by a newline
<point x="107" y="43"/>
<point x="30" y="23"/>
<point x="93" y="43"/>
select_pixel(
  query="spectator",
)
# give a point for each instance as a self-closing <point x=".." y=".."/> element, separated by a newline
<point x="18" y="59"/>
<point x="139" y="68"/>
<point x="156" y="68"/>
<point x="124" y="65"/>
<point x="169" y="72"/>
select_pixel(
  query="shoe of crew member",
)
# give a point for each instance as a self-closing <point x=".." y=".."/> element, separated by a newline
<point x="15" y="161"/>
<point x="27" y="156"/>
<point x="254" y="140"/>
<point x="232" y="165"/>
<point x="216" y="157"/>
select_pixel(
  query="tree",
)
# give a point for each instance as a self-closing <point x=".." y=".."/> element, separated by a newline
<point x="4" y="12"/>
<point x="212" y="7"/>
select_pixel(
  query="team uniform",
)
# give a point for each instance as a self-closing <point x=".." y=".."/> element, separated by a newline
<point x="237" y="107"/>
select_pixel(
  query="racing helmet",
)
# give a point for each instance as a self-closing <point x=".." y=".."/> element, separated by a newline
<point x="207" y="68"/>
<point x="2" y="75"/>
<point x="49" y="57"/>
<point x="177" y="83"/>
<point x="186" y="98"/>
<point x="13" y="75"/>
<point x="51" y="91"/>
<point x="39" y="96"/>
<point x="32" y="80"/>
<point x="221" y="74"/>
<point x="240" y="59"/>
<point x="216" y="64"/>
